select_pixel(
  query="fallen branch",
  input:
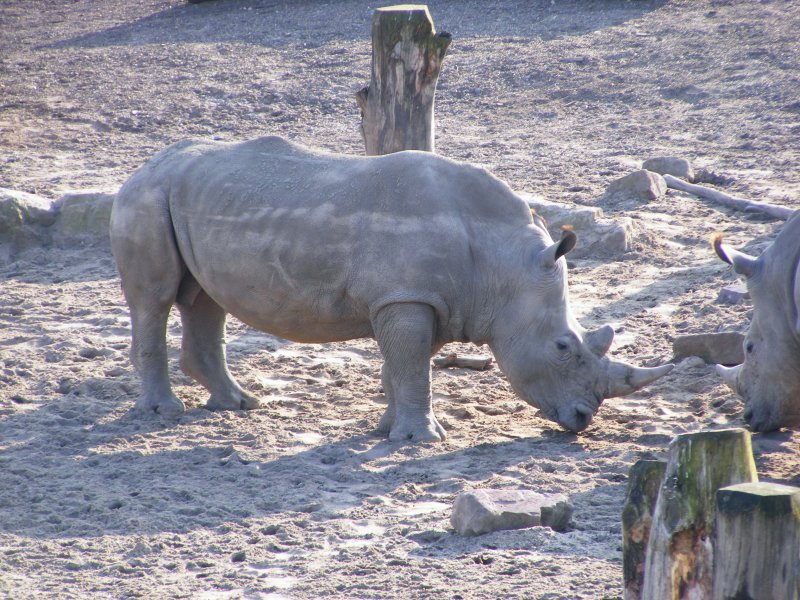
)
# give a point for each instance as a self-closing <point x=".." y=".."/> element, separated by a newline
<point x="478" y="363"/>
<point x="771" y="210"/>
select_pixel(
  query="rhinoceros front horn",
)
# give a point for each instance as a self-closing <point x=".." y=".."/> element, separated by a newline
<point x="730" y="375"/>
<point x="624" y="379"/>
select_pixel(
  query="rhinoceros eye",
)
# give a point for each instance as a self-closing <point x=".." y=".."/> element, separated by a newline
<point x="749" y="347"/>
<point x="562" y="346"/>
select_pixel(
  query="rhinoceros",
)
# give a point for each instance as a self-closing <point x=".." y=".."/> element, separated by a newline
<point x="769" y="377"/>
<point x="411" y="249"/>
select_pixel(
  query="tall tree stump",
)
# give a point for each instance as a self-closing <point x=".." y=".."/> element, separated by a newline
<point x="757" y="542"/>
<point x="644" y="481"/>
<point x="407" y="55"/>
<point x="678" y="565"/>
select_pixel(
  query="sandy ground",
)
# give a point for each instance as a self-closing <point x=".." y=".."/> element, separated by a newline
<point x="302" y="499"/>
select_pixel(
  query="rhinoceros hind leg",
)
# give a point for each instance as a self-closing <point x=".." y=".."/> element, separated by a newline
<point x="203" y="354"/>
<point x="149" y="267"/>
<point x="149" y="356"/>
<point x="404" y="332"/>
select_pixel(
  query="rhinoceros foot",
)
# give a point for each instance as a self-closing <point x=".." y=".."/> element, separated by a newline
<point x="235" y="399"/>
<point x="426" y="429"/>
<point x="163" y="404"/>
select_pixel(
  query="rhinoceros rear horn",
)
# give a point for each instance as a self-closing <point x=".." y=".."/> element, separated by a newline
<point x="624" y="379"/>
<point x="742" y="263"/>
<point x="553" y="252"/>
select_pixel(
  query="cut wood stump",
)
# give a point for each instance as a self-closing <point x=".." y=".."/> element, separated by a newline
<point x="644" y="481"/>
<point x="407" y="55"/>
<point x="678" y="563"/>
<point x="757" y="542"/>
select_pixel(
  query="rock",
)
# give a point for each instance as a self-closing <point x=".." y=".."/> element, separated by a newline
<point x="28" y="221"/>
<point x="239" y="556"/>
<point x="483" y="511"/>
<point x="733" y="294"/>
<point x="24" y="219"/>
<point x="640" y="185"/>
<point x="82" y="217"/>
<point x="670" y="165"/>
<point x="597" y="236"/>
<point x="715" y="348"/>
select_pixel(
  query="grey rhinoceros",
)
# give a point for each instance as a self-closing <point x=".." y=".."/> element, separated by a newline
<point x="769" y="377"/>
<point x="411" y="249"/>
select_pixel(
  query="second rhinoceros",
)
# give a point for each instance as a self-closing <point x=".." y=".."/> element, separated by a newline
<point x="769" y="378"/>
<point x="411" y="249"/>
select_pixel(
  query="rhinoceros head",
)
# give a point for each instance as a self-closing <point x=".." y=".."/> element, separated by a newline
<point x="549" y="359"/>
<point x="769" y="377"/>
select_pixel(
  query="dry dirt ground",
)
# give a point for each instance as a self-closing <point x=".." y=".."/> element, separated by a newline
<point x="302" y="499"/>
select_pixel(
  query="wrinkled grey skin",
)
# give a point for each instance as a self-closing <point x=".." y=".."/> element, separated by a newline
<point x="769" y="378"/>
<point x="410" y="248"/>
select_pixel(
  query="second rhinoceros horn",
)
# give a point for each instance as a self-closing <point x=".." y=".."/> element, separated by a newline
<point x="624" y="379"/>
<point x="730" y="375"/>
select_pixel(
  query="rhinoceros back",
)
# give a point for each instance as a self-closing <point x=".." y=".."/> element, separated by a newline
<point x="307" y="244"/>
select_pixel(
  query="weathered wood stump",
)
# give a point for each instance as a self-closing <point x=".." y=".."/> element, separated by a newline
<point x="407" y="55"/>
<point x="757" y="542"/>
<point x="678" y="564"/>
<point x="644" y="481"/>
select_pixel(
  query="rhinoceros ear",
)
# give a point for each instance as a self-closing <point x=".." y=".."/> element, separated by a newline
<point x="553" y="252"/>
<point x="742" y="263"/>
<point x="599" y="340"/>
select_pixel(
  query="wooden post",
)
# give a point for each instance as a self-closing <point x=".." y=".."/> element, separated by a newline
<point x="644" y="481"/>
<point x="407" y="55"/>
<point x="757" y="542"/>
<point x="678" y="565"/>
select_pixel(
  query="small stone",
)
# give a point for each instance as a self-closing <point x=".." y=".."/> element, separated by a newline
<point x="733" y="294"/>
<point x="483" y="511"/>
<point x="239" y="556"/>
<point x="641" y="184"/>
<point x="670" y="165"/>
<point x="690" y="362"/>
<point x="715" y="348"/>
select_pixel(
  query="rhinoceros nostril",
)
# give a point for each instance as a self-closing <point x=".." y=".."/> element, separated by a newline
<point x="747" y="415"/>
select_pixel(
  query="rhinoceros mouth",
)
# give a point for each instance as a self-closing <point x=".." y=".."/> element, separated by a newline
<point x="763" y="420"/>
<point x="575" y="418"/>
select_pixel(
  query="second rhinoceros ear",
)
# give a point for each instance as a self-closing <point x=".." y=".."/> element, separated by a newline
<point x="553" y="252"/>
<point x="742" y="263"/>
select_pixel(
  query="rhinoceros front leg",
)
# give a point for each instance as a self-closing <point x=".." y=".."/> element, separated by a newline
<point x="203" y="354"/>
<point x="404" y="332"/>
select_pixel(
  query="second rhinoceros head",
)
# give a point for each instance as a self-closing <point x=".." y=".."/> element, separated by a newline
<point x="769" y="378"/>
